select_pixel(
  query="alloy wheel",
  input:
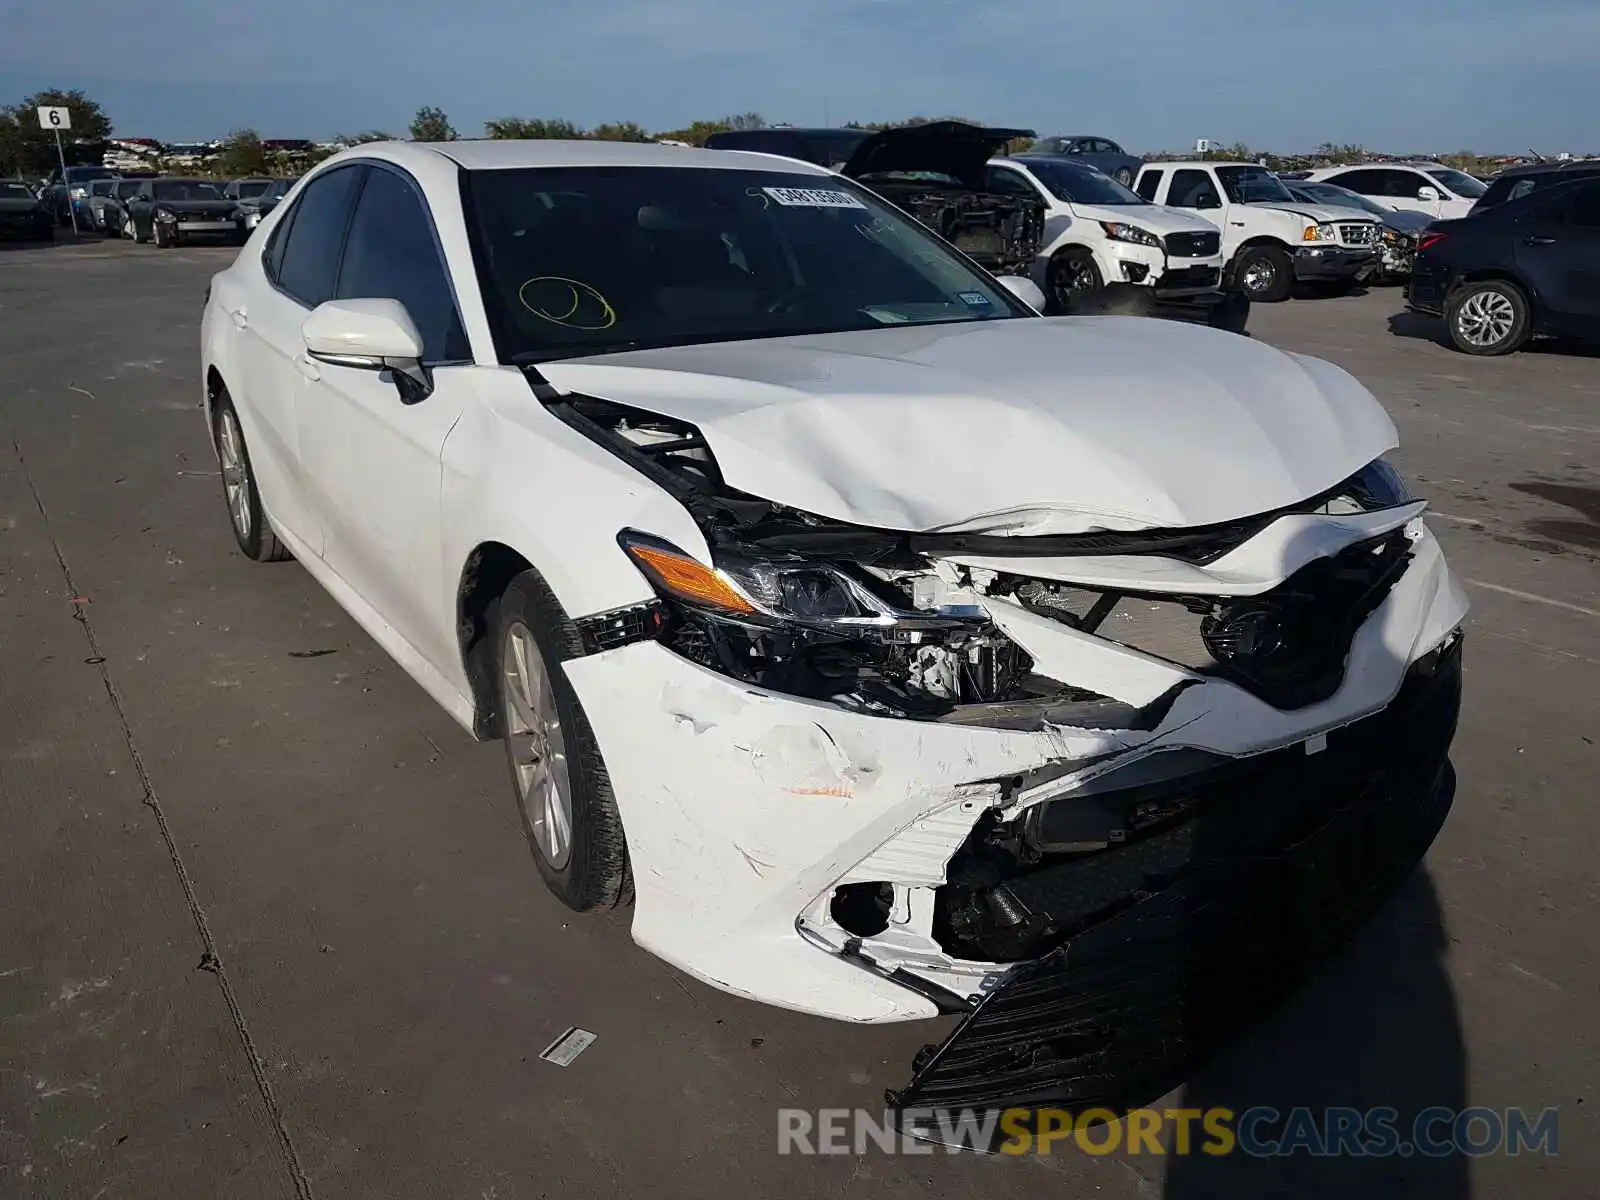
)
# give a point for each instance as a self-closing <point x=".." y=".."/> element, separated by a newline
<point x="235" y="473"/>
<point x="538" y="746"/>
<point x="1485" y="319"/>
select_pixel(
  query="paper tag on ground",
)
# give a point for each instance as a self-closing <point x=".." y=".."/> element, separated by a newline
<point x="568" y="1046"/>
<point x="813" y="197"/>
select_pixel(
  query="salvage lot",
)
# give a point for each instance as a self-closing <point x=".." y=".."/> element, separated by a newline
<point x="267" y="927"/>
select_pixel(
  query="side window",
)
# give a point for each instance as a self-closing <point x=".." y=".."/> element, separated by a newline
<point x="1110" y="147"/>
<point x="1367" y="183"/>
<point x="1149" y="184"/>
<point x="1101" y="146"/>
<point x="1584" y="208"/>
<point x="999" y="179"/>
<point x="1404" y="185"/>
<point x="1192" y="189"/>
<point x="391" y="255"/>
<point x="309" y="255"/>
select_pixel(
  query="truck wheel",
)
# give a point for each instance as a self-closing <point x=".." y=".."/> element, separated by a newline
<point x="1487" y="318"/>
<point x="1231" y="313"/>
<point x="1264" y="273"/>
<point x="1072" y="279"/>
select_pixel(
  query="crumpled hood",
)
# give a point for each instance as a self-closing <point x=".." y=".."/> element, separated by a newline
<point x="1322" y="213"/>
<point x="1025" y="426"/>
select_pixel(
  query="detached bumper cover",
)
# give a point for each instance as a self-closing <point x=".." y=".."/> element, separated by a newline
<point x="1332" y="263"/>
<point x="1290" y="858"/>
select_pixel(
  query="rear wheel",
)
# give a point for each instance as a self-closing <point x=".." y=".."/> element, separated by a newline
<point x="1264" y="273"/>
<point x="1488" y="317"/>
<point x="1124" y="176"/>
<point x="558" y="777"/>
<point x="250" y="526"/>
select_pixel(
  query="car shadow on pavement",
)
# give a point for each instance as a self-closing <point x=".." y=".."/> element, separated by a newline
<point x="1407" y="324"/>
<point x="1378" y="1028"/>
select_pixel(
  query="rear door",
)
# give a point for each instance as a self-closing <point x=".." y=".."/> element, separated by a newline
<point x="299" y="265"/>
<point x="1558" y="252"/>
<point x="372" y="459"/>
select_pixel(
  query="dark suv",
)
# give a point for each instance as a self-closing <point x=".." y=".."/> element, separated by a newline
<point x="1528" y="266"/>
<point x="1517" y="182"/>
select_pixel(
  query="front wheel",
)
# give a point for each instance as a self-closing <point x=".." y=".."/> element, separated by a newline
<point x="1264" y="273"/>
<point x="558" y="777"/>
<point x="166" y="235"/>
<point x="1487" y="318"/>
<point x="1072" y="279"/>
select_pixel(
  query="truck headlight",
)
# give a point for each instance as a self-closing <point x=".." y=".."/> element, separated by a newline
<point x="1320" y="233"/>
<point x="1120" y="231"/>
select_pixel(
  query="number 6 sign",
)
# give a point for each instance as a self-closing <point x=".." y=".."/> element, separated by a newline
<point x="55" y="118"/>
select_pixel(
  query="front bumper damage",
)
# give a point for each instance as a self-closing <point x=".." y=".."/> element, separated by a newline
<point x="1049" y="853"/>
<point x="1316" y="263"/>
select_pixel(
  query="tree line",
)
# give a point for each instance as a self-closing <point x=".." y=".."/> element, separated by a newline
<point x="26" y="150"/>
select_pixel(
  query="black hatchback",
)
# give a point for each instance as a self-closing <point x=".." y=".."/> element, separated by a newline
<point x="1527" y="267"/>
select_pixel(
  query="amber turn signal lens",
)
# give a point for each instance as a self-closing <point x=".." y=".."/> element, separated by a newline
<point x="687" y="579"/>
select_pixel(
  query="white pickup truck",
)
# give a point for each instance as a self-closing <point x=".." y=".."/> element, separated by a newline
<point x="1270" y="240"/>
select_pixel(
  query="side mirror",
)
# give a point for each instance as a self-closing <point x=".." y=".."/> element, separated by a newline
<point x="1427" y="193"/>
<point x="1024" y="289"/>
<point x="369" y="335"/>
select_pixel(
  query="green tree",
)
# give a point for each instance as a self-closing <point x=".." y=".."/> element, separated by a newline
<point x="539" y="128"/>
<point x="242" y="154"/>
<point x="696" y="132"/>
<point x="431" y="125"/>
<point x="619" y="131"/>
<point x="27" y="149"/>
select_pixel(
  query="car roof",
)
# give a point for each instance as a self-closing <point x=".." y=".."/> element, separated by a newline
<point x="507" y="155"/>
<point x="1184" y="162"/>
<point x="1551" y="168"/>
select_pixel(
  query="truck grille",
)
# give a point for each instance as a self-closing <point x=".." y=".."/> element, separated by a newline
<point x="1193" y="245"/>
<point x="1358" y="233"/>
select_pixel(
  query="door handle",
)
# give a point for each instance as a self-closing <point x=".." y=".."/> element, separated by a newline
<point x="1537" y="239"/>
<point x="240" y="319"/>
<point x="306" y="367"/>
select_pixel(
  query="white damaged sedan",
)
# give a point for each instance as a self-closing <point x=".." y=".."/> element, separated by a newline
<point x="895" y="650"/>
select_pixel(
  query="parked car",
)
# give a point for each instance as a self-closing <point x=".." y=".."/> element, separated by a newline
<point x="897" y="650"/>
<point x="171" y="211"/>
<point x="23" y="214"/>
<point x="1098" y="152"/>
<point x="94" y="202"/>
<point x="244" y="189"/>
<point x="1516" y="182"/>
<point x="1428" y="187"/>
<point x="1105" y="245"/>
<point x="936" y="172"/>
<point x="1517" y="270"/>
<point x="1401" y="227"/>
<point x="65" y="194"/>
<point x="1269" y="239"/>
<point x="114" y="207"/>
<point x="252" y="208"/>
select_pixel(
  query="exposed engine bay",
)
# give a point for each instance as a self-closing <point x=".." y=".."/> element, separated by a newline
<point x="1001" y="233"/>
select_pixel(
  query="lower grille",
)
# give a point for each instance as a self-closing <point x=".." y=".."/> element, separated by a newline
<point x="1193" y="245"/>
<point x="1280" y="872"/>
<point x="1190" y="277"/>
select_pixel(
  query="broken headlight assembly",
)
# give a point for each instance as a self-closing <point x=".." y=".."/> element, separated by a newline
<point x="902" y="644"/>
<point x="1375" y="487"/>
<point x="1121" y="231"/>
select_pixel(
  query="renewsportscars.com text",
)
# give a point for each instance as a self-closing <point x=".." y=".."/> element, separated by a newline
<point x="1259" y="1132"/>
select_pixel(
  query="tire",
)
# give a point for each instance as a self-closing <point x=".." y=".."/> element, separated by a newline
<point x="1231" y="314"/>
<point x="251" y="529"/>
<point x="1263" y="273"/>
<point x="132" y="230"/>
<point x="165" y="238"/>
<point x="1487" y="318"/>
<point x="1072" y="281"/>
<point x="1124" y="177"/>
<point x="548" y="737"/>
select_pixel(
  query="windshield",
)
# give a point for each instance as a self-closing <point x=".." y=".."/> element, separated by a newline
<point x="1076" y="183"/>
<point x="590" y="260"/>
<point x="1252" y="185"/>
<point x="1332" y="193"/>
<point x="253" y="187"/>
<point x="1459" y="182"/>
<point x="16" y="191"/>
<point x="129" y="187"/>
<point x="84" y="174"/>
<point x="185" y="189"/>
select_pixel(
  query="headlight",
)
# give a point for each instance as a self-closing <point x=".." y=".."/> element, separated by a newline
<point x="78" y="193"/>
<point x="1376" y="486"/>
<point x="1320" y="233"/>
<point x="166" y="214"/>
<point x="1119" y="231"/>
<point x="1390" y="236"/>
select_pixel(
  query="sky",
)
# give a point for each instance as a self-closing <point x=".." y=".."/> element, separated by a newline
<point x="1482" y="75"/>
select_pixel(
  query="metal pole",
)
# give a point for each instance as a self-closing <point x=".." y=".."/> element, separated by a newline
<point x="61" y="155"/>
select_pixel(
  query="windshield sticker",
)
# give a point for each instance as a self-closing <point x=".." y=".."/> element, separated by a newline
<point x="813" y="197"/>
<point x="975" y="299"/>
